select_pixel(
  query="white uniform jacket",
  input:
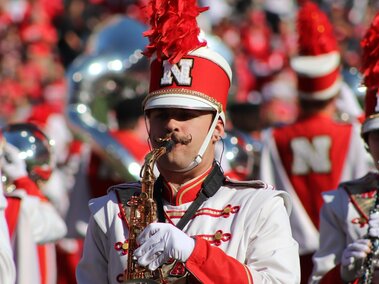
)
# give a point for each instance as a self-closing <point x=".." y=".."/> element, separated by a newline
<point x="7" y="266"/>
<point x="252" y="225"/>
<point x="38" y="222"/>
<point x="341" y="224"/>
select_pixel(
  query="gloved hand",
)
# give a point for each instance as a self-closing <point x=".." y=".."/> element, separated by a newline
<point x="373" y="223"/>
<point x="160" y="242"/>
<point x="11" y="164"/>
<point x="353" y="257"/>
<point x="354" y="251"/>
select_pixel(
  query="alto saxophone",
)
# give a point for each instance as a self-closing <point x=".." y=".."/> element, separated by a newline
<point x="371" y="261"/>
<point x="143" y="211"/>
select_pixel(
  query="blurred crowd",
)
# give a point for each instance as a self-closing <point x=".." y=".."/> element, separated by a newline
<point x="42" y="40"/>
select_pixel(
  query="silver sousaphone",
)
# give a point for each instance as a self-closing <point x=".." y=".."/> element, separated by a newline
<point x="113" y="70"/>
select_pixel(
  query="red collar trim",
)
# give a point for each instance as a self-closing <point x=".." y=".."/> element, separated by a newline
<point x="187" y="192"/>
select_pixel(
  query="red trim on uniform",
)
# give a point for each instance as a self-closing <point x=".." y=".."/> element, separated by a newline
<point x="43" y="264"/>
<point x="187" y="192"/>
<point x="310" y="85"/>
<point x="30" y="187"/>
<point x="122" y="247"/>
<point x="207" y="77"/>
<point x="225" y="213"/>
<point x="358" y="208"/>
<point x="122" y="213"/>
<point x="333" y="276"/>
<point x="11" y="213"/>
<point x="217" y="238"/>
<point x="210" y="264"/>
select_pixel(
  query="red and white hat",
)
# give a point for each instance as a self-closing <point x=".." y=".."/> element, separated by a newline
<point x="370" y="72"/>
<point x="185" y="73"/>
<point x="318" y="62"/>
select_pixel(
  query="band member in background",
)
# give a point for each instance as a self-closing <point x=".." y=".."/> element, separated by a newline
<point x="33" y="221"/>
<point x="113" y="142"/>
<point x="245" y="225"/>
<point x="319" y="150"/>
<point x="349" y="218"/>
<point x="7" y="266"/>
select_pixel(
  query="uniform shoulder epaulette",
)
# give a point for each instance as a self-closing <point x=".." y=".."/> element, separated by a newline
<point x="125" y="186"/>
<point x="256" y="184"/>
<point x="364" y="184"/>
<point x="126" y="190"/>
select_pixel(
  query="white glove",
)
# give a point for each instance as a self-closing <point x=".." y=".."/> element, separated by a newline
<point x="160" y="242"/>
<point x="373" y="223"/>
<point x="354" y="251"/>
<point x="352" y="259"/>
<point x="12" y="165"/>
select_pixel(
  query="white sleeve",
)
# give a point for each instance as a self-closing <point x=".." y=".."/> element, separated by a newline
<point x="274" y="252"/>
<point x="46" y="223"/>
<point x="93" y="267"/>
<point x="332" y="238"/>
<point x="7" y="266"/>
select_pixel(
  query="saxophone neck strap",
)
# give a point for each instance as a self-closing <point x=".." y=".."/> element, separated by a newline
<point x="210" y="186"/>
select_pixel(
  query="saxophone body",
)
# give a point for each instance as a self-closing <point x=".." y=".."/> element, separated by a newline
<point x="371" y="261"/>
<point x="143" y="211"/>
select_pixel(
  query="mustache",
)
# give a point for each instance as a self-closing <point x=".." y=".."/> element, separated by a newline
<point x="184" y="139"/>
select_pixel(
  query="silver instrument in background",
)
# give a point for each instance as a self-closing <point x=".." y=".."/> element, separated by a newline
<point x="112" y="71"/>
<point x="242" y="154"/>
<point x="35" y="148"/>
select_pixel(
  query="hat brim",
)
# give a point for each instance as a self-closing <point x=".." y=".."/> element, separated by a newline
<point x="178" y="101"/>
<point x="317" y="65"/>
<point x="181" y="101"/>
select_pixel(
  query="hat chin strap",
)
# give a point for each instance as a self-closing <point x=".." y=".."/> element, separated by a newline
<point x="199" y="156"/>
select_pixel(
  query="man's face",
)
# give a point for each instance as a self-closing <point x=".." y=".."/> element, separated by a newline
<point x="188" y="130"/>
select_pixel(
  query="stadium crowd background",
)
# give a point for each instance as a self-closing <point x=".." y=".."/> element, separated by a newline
<point x="39" y="40"/>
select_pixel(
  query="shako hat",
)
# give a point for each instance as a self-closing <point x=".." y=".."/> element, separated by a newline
<point x="185" y="73"/>
<point x="317" y="64"/>
<point x="370" y="73"/>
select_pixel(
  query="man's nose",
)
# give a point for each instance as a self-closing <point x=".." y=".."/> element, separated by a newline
<point x="172" y="123"/>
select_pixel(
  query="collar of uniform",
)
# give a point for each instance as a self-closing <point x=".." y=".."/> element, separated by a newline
<point x="187" y="192"/>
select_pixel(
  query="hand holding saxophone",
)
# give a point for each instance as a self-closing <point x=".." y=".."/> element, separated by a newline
<point x="357" y="250"/>
<point x="356" y="253"/>
<point x="160" y="242"/>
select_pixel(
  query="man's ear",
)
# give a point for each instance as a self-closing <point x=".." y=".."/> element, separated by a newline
<point x="219" y="131"/>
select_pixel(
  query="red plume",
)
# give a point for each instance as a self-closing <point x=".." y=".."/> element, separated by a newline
<point x="174" y="30"/>
<point x="370" y="55"/>
<point x="315" y="31"/>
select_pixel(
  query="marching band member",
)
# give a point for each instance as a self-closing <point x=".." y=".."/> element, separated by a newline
<point x="32" y="219"/>
<point x="7" y="267"/>
<point x="349" y="218"/>
<point x="319" y="150"/>
<point x="241" y="234"/>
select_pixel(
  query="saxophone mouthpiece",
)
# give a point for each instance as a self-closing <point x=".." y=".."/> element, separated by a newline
<point x="172" y="138"/>
<point x="169" y="145"/>
<point x="166" y="142"/>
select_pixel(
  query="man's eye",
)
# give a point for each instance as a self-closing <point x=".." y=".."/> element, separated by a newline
<point x="160" y="115"/>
